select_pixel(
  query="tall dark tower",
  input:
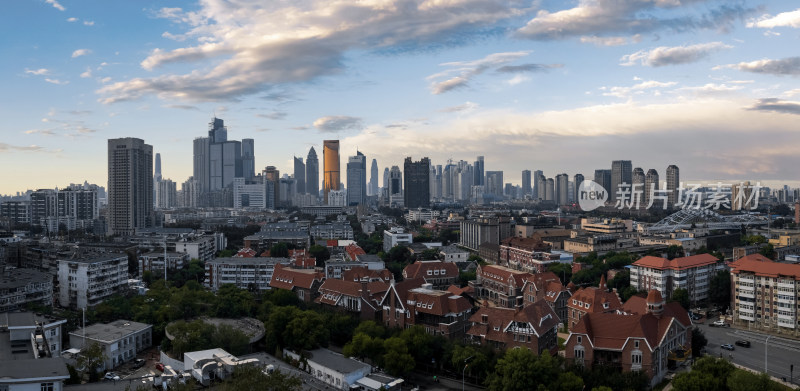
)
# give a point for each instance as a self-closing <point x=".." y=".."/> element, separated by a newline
<point x="312" y="173"/>
<point x="373" y="179"/>
<point x="300" y="175"/>
<point x="130" y="185"/>
<point x="417" y="185"/>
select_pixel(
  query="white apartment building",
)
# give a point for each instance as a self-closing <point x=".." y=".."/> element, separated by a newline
<point x="332" y="231"/>
<point x="422" y="215"/>
<point x="764" y="294"/>
<point x="249" y="195"/>
<point x="120" y="339"/>
<point x="692" y="273"/>
<point x="396" y="236"/>
<point x="154" y="262"/>
<point x="245" y="273"/>
<point x="21" y="286"/>
<point x="87" y="282"/>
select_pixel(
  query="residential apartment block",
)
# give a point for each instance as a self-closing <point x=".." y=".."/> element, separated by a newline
<point x="693" y="273"/>
<point x="87" y="282"/>
<point x="21" y="286"/>
<point x="120" y="339"/>
<point x="245" y="273"/>
<point x="764" y="294"/>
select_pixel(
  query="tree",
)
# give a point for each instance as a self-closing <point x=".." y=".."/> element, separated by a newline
<point x="469" y="355"/>
<point x="521" y="369"/>
<point x="768" y="251"/>
<point x="568" y="381"/>
<point x="252" y="378"/>
<point x="320" y="253"/>
<point x="74" y="376"/>
<point x="675" y="251"/>
<point x="681" y="296"/>
<point x="699" y="341"/>
<point x="562" y="270"/>
<point x="707" y="374"/>
<point x="720" y="289"/>
<point x="371" y="328"/>
<point x="279" y="250"/>
<point x="397" y="361"/>
<point x="740" y="380"/>
<point x="92" y="358"/>
<point x="233" y="341"/>
<point x="364" y="346"/>
<point x="430" y="254"/>
<point x="627" y="292"/>
<point x="306" y="331"/>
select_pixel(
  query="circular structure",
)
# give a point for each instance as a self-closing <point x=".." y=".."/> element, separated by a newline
<point x="252" y="328"/>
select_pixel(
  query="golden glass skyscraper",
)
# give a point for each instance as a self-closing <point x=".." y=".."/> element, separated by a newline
<point x="330" y="167"/>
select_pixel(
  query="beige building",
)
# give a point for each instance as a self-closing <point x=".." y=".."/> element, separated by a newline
<point x="764" y="294"/>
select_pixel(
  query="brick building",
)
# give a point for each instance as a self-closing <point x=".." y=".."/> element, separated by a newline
<point x="440" y="274"/>
<point x="412" y="302"/>
<point x="546" y="287"/>
<point x="591" y="300"/>
<point x="500" y="285"/>
<point x="534" y="327"/>
<point x="304" y="283"/>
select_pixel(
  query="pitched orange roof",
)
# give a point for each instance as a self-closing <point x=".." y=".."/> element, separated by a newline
<point x="610" y="331"/>
<point x="677" y="263"/>
<point x="504" y="275"/>
<point x="287" y="278"/>
<point x="420" y="269"/>
<point x="437" y="302"/>
<point x="638" y="305"/>
<point x="765" y="267"/>
<point x="353" y="250"/>
<point x="359" y="272"/>
<point x="539" y="315"/>
<point x="595" y="298"/>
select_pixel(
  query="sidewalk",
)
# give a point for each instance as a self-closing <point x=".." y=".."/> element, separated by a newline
<point x="425" y="382"/>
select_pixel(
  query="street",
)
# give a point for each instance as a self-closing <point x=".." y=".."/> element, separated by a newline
<point x="782" y="352"/>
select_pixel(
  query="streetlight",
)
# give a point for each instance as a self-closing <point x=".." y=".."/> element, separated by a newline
<point x="463" y="372"/>
<point x="766" y="347"/>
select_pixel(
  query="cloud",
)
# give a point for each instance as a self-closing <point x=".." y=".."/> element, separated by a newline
<point x="276" y="115"/>
<point x="774" y="105"/>
<point x="782" y="67"/>
<point x="72" y="19"/>
<point x="528" y="68"/>
<point x="88" y="23"/>
<point x="182" y="107"/>
<point x="238" y="49"/>
<point x="664" y="55"/>
<point x="637" y="89"/>
<point x="55" y="5"/>
<point x="336" y="123"/>
<point x="80" y="52"/>
<point x="87" y="74"/>
<point x="464" y="71"/>
<point x="467" y="106"/>
<point x="783" y="19"/>
<point x="611" y="17"/>
<point x="37" y="72"/>
<point x="56" y="81"/>
<point x="611" y="41"/>
<point x="711" y="89"/>
<point x="517" y="79"/>
<point x="4" y="147"/>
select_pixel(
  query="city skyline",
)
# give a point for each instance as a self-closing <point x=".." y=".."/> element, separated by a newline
<point x="709" y="86"/>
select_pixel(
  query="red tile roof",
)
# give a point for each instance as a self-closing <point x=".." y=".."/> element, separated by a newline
<point x="460" y="291"/>
<point x="595" y="297"/>
<point x="610" y="331"/>
<point x="437" y="302"/>
<point x="354" y="250"/>
<point x="420" y="269"/>
<point x="543" y="280"/>
<point x="359" y="272"/>
<point x="287" y="278"/>
<point x="540" y="316"/>
<point x="765" y="267"/>
<point x="503" y="274"/>
<point x="677" y="263"/>
<point x="246" y="252"/>
<point x="638" y="305"/>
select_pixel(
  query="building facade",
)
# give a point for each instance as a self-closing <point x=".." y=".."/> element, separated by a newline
<point x="693" y="273"/>
<point x="330" y="167"/>
<point x="121" y="340"/>
<point x="130" y="185"/>
<point x="417" y="183"/>
<point x="764" y="294"/>
<point x="244" y="273"/>
<point x="87" y="282"/>
<point x="19" y="287"/>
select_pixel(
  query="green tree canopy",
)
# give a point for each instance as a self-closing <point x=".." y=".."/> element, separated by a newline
<point x="682" y="297"/>
<point x="397" y="361"/>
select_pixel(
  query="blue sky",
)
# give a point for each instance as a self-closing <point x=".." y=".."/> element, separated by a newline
<point x="561" y="86"/>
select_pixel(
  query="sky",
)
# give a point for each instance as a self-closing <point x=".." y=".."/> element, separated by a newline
<point x="557" y="86"/>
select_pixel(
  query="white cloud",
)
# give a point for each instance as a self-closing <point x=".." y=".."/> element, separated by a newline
<point x="461" y="72"/>
<point x="87" y="74"/>
<point x="611" y="41"/>
<point x="783" y="19"/>
<point x="664" y="55"/>
<point x="88" y="23"/>
<point x="242" y="49"/>
<point x="56" y="81"/>
<point x="770" y="33"/>
<point x="518" y="79"/>
<point x="337" y="123"/>
<point x="37" y="72"/>
<point x="80" y="52"/>
<point x="467" y="107"/>
<point x="73" y="19"/>
<point x="55" y="5"/>
<point x="782" y="67"/>
<point x="637" y="89"/>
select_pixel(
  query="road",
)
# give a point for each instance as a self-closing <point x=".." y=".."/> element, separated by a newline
<point x="782" y="352"/>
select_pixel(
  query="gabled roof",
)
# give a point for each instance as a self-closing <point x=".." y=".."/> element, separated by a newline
<point x="638" y="305"/>
<point x="595" y="298"/>
<point x="400" y="290"/>
<point x="437" y="302"/>
<point x="611" y="331"/>
<point x="677" y="263"/>
<point x="543" y="281"/>
<point x="460" y="291"/>
<point x="348" y="288"/>
<point x="420" y="269"/>
<point x="287" y="278"/>
<point x="353" y="250"/>
<point x="503" y="274"/>
<point x="359" y="272"/>
<point x="246" y="252"/>
<point x="538" y="316"/>
<point x="765" y="267"/>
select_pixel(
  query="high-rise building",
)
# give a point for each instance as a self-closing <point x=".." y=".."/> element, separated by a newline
<point x="526" y="182"/>
<point x="650" y="186"/>
<point x="536" y="189"/>
<point x="603" y="178"/>
<point x="190" y="193"/>
<point x="417" y="183"/>
<point x="621" y="172"/>
<point x="373" y="179"/>
<point x="356" y="179"/>
<point x="312" y="173"/>
<point x="494" y="183"/>
<point x="330" y="166"/>
<point x="550" y="190"/>
<point x="576" y="189"/>
<point x="272" y="175"/>
<point x="156" y="178"/>
<point x="541" y="185"/>
<point x="386" y="186"/>
<point x="130" y="185"/>
<point x="396" y="186"/>
<point x="166" y="195"/>
<point x="637" y="184"/>
<point x="673" y="182"/>
<point x="478" y="172"/>
<point x="248" y="159"/>
<point x="300" y="175"/>
<point x="562" y="189"/>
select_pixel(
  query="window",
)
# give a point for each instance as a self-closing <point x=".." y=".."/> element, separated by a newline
<point x="580" y="339"/>
<point x="636" y="344"/>
<point x="47" y="387"/>
<point x="636" y="358"/>
<point x="579" y="354"/>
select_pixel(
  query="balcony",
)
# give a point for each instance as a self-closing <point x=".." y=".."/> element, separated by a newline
<point x="786" y="301"/>
<point x="749" y="279"/>
<point x="746" y="317"/>
<point x="785" y="321"/>
<point x="785" y="285"/>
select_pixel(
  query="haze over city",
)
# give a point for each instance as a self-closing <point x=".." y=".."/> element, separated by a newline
<point x="555" y="86"/>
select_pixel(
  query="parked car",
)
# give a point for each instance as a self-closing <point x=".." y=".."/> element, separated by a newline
<point x="160" y="367"/>
<point x="695" y="316"/>
<point x="138" y="363"/>
<point x="111" y="376"/>
<point x="719" y="323"/>
<point x="728" y="346"/>
<point x="743" y="343"/>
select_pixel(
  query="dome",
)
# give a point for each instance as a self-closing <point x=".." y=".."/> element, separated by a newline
<point x="654" y="297"/>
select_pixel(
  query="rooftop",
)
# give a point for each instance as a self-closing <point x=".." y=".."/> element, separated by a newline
<point x="677" y="263"/>
<point x="335" y="361"/>
<point x="18" y="278"/>
<point x="40" y="369"/>
<point x="95" y="259"/>
<point x="111" y="332"/>
<point x="249" y="261"/>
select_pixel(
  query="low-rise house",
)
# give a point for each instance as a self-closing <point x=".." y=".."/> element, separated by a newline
<point x="591" y="300"/>
<point x="30" y="335"/>
<point x="632" y="341"/>
<point x="453" y="253"/>
<point x="439" y="312"/>
<point x="546" y="287"/>
<point x="304" y="283"/>
<point x="500" y="285"/>
<point x="121" y="340"/>
<point x="46" y="374"/>
<point x="333" y="369"/>
<point x="355" y="297"/>
<point x="534" y="327"/>
<point x="437" y="273"/>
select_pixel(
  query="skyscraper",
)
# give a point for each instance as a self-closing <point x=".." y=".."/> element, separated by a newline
<point x="312" y="173"/>
<point x="576" y="190"/>
<point x="478" y="172"/>
<point x="385" y="190"/>
<point x="621" y="172"/>
<point x="535" y="190"/>
<point x="550" y="190"/>
<point x="637" y="184"/>
<point x="156" y="179"/>
<point x="330" y="167"/>
<point x="272" y="175"/>
<point x="650" y="185"/>
<point x="541" y="185"/>
<point x="417" y="183"/>
<point x="603" y="178"/>
<point x="562" y="189"/>
<point x="248" y="159"/>
<point x="673" y="182"/>
<point x="356" y="179"/>
<point x="494" y="183"/>
<point x="373" y="179"/>
<point x="395" y="186"/>
<point x="526" y="182"/>
<point x="217" y="160"/>
<point x="300" y="175"/>
<point x="130" y="185"/>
